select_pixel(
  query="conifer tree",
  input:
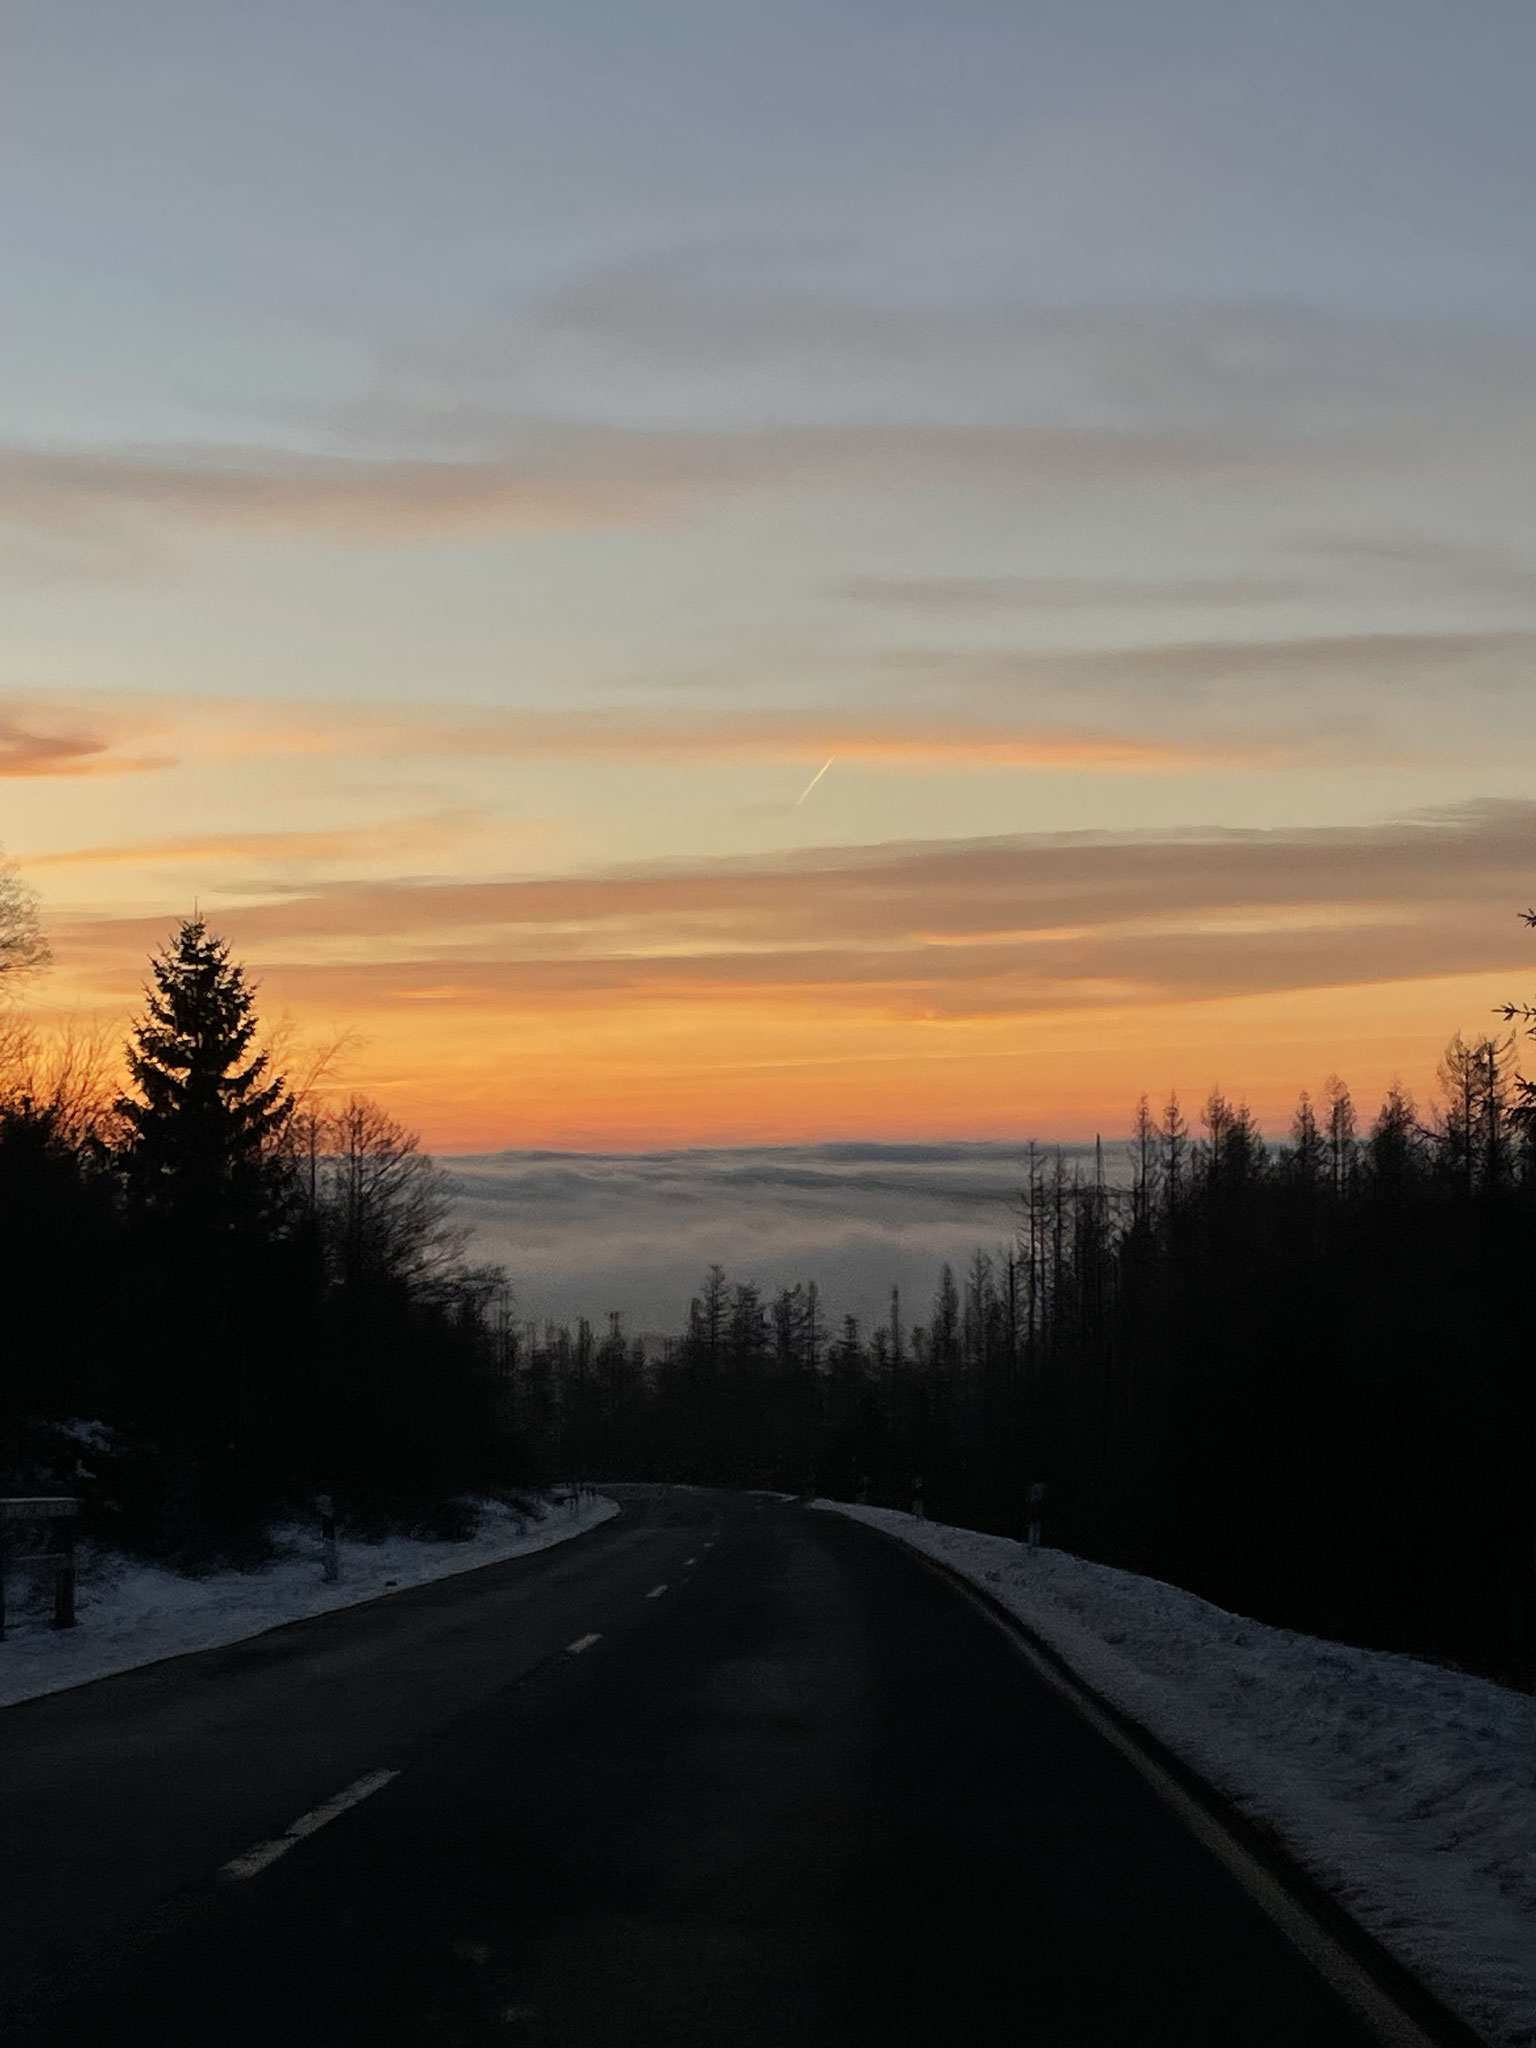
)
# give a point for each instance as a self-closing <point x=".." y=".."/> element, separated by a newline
<point x="207" y="1110"/>
<point x="1341" y="1133"/>
<point x="1309" y="1151"/>
<point x="944" y="1331"/>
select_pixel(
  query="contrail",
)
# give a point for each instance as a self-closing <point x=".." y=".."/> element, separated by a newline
<point x="800" y="799"/>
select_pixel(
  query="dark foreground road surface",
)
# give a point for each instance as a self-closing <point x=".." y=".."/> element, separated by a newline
<point x="797" y="1791"/>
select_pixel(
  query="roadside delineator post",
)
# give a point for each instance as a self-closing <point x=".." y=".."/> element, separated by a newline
<point x="56" y="1518"/>
<point x="330" y="1570"/>
<point x="1037" y="1493"/>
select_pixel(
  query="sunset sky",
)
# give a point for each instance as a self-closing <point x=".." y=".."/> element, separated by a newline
<point x="467" y="465"/>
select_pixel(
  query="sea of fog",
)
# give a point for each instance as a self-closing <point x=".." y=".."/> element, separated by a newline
<point x="585" y="1233"/>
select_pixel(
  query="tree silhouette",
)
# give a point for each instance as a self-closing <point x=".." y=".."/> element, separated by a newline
<point x="22" y="945"/>
<point x="207" y="1112"/>
<point x="381" y="1205"/>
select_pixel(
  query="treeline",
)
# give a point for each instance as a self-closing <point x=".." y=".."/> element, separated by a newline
<point x="1299" y="1378"/>
<point x="220" y="1296"/>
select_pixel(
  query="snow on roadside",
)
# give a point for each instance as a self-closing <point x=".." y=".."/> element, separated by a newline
<point x="131" y="1613"/>
<point x="1404" y="1788"/>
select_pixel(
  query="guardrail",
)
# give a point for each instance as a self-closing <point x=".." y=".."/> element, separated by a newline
<point x="41" y="1530"/>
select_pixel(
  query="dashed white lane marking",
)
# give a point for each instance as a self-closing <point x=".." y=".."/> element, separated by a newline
<point x="581" y="1643"/>
<point x="688" y="1561"/>
<point x="656" y="1591"/>
<point x="266" y="1853"/>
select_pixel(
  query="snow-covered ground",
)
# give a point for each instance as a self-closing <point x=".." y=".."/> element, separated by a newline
<point x="1404" y="1788"/>
<point x="132" y="1613"/>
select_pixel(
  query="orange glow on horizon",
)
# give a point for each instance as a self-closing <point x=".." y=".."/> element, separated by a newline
<point x="998" y="986"/>
<point x="478" y="1076"/>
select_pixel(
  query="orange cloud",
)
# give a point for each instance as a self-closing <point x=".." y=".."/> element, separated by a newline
<point x="211" y="729"/>
<point x="26" y="752"/>
<point x="786" y="738"/>
<point x="266" y="849"/>
<point x="1007" y="984"/>
<point x="1010" y="924"/>
<point x="1285" y="703"/>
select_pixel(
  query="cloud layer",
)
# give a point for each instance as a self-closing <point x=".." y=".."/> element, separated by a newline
<point x="101" y="743"/>
<point x="27" y="750"/>
<point x="544" y="478"/>
<point x="970" y="596"/>
<point x="1162" y="707"/>
<point x="1010" y="926"/>
<point x="585" y="1233"/>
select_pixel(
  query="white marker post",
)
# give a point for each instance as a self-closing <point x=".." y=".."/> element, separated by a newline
<point x="1037" y="1494"/>
<point x="331" y="1568"/>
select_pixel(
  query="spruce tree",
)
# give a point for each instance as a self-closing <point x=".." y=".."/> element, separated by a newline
<point x="207" y="1109"/>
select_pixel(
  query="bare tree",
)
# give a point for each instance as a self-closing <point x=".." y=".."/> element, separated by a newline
<point x="66" y="1078"/>
<point x="1476" y="1123"/>
<point x="382" y="1204"/>
<point x="69" y="1075"/>
<point x="23" y="948"/>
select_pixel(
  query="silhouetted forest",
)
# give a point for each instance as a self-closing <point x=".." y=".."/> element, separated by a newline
<point x="1295" y="1377"/>
<point x="222" y="1298"/>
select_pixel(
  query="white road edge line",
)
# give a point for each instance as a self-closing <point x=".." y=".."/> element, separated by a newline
<point x="1350" y="1981"/>
<point x="657" y="1590"/>
<point x="254" y="1861"/>
<point x="581" y="1643"/>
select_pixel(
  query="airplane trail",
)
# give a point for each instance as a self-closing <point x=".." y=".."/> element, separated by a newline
<point x="800" y="799"/>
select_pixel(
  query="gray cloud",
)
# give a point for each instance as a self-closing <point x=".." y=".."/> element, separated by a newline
<point x="965" y="595"/>
<point x="256" y="490"/>
<point x="632" y="397"/>
<point x="546" y="478"/>
<point x="1341" y="669"/>
<point x="703" y="321"/>
<point x="1487" y="568"/>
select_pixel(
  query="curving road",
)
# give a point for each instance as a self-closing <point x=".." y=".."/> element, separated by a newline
<point x="724" y="1773"/>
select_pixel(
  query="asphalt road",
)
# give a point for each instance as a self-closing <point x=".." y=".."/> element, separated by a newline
<point x="797" y="1790"/>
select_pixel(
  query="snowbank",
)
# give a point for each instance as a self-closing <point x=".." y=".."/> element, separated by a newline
<point x="132" y="1613"/>
<point x="1403" y="1788"/>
